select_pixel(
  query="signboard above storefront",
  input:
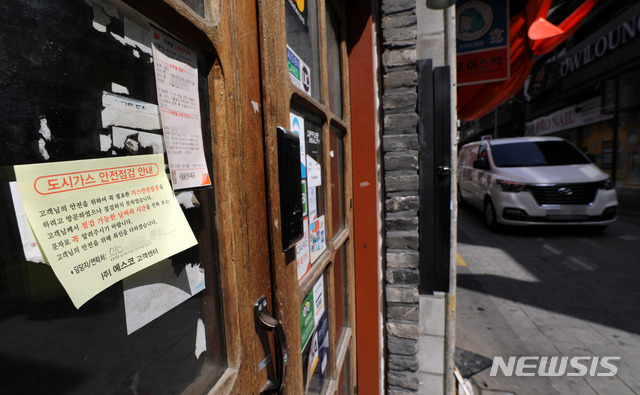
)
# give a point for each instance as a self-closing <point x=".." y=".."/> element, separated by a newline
<point x="482" y="41"/>
<point x="582" y="114"/>
<point x="620" y="32"/>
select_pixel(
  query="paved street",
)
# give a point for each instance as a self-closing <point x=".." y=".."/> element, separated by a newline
<point x="549" y="292"/>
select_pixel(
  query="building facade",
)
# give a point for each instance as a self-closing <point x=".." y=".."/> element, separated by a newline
<point x="586" y="93"/>
<point x="583" y="91"/>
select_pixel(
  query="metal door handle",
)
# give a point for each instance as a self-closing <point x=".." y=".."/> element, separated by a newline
<point x="444" y="171"/>
<point x="265" y="321"/>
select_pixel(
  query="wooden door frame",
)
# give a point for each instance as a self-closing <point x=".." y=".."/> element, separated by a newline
<point x="250" y="93"/>
<point x="238" y="173"/>
<point x="242" y="204"/>
<point x="278" y="93"/>
<point x="365" y="199"/>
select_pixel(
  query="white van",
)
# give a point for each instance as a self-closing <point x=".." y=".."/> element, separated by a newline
<point x="534" y="181"/>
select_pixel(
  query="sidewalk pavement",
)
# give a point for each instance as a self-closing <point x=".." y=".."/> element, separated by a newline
<point x="549" y="293"/>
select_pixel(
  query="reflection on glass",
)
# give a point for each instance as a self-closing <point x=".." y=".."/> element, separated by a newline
<point x="340" y="288"/>
<point x="628" y="87"/>
<point x="343" y="384"/>
<point x="333" y="62"/>
<point x="314" y="331"/>
<point x="337" y="180"/>
<point x="196" y="5"/>
<point x="302" y="42"/>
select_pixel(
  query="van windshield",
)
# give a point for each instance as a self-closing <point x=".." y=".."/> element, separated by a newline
<point x="539" y="153"/>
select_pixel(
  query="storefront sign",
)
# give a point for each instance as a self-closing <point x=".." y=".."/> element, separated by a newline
<point x="582" y="114"/>
<point x="176" y="72"/>
<point x="482" y="41"/>
<point x="621" y="34"/>
<point x="98" y="221"/>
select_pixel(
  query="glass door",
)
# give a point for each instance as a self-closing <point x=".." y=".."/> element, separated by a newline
<point x="304" y="88"/>
<point x="170" y="84"/>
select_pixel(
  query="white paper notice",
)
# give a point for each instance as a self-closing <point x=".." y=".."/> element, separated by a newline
<point x="152" y="292"/>
<point x="137" y="36"/>
<point x="303" y="256"/>
<point x="31" y="251"/>
<point x="176" y="73"/>
<point x="123" y="111"/>
<point x="313" y="204"/>
<point x="314" y="173"/>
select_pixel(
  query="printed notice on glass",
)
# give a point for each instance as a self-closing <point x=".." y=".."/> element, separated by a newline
<point x="176" y="73"/>
<point x="98" y="221"/>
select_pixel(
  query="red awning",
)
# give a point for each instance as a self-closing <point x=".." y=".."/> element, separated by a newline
<point x="531" y="35"/>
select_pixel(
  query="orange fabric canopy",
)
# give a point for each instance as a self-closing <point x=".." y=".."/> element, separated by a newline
<point x="531" y="35"/>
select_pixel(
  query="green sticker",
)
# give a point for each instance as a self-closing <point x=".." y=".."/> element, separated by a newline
<point x="306" y="318"/>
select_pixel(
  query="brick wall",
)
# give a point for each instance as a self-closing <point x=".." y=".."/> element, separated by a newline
<point x="417" y="345"/>
<point x="400" y="148"/>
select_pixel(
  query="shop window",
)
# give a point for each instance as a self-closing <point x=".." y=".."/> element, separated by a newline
<point x="343" y="386"/>
<point x="627" y="156"/>
<point x="315" y="333"/>
<point x="336" y="154"/>
<point x="334" y="68"/>
<point x="341" y="290"/>
<point x="80" y="84"/>
<point x="302" y="46"/>
<point x="313" y="243"/>
<point x="629" y="85"/>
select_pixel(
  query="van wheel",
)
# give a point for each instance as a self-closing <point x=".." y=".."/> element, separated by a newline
<point x="490" y="215"/>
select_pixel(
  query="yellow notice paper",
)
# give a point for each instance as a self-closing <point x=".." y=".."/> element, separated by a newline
<point x="100" y="220"/>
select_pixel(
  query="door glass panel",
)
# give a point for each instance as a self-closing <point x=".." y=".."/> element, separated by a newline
<point x="314" y="331"/>
<point x="54" y="110"/>
<point x="196" y="5"/>
<point x="333" y="62"/>
<point x="340" y="278"/>
<point x="302" y="46"/>
<point x="313" y="244"/>
<point x="343" y="383"/>
<point x="336" y="154"/>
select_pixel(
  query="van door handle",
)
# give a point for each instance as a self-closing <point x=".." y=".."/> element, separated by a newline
<point x="265" y="322"/>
